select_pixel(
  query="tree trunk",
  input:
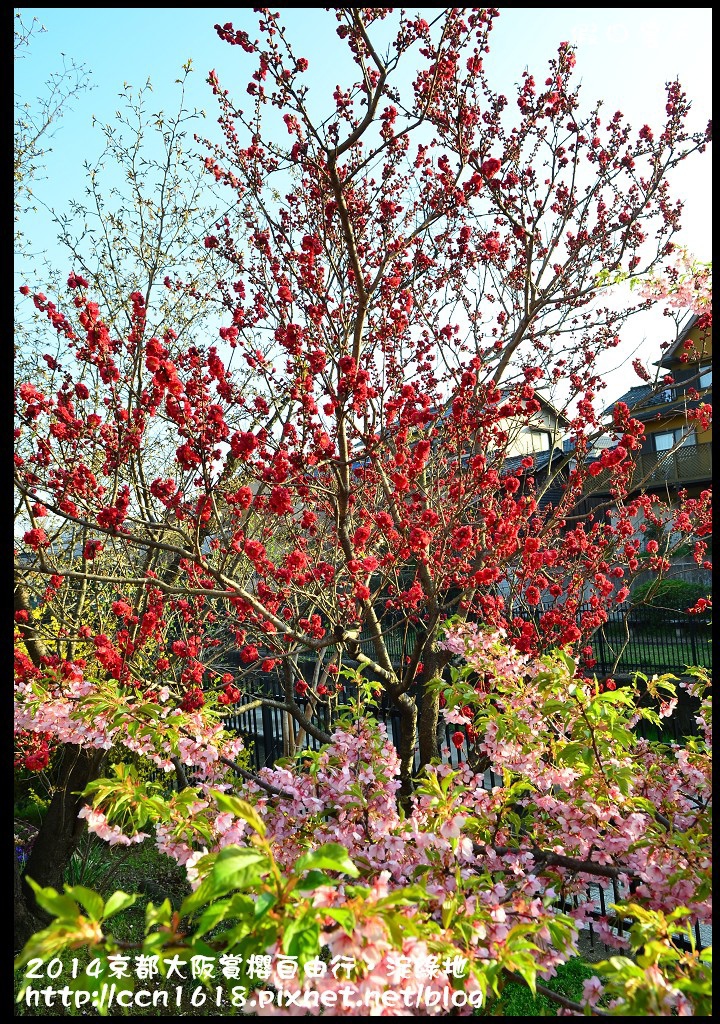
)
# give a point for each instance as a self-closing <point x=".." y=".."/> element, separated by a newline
<point x="57" y="839"/>
<point x="406" y="745"/>
<point x="435" y="662"/>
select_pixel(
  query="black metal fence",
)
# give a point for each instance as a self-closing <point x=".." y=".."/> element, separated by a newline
<point x="651" y="641"/>
<point x="631" y="640"/>
<point x="266" y="730"/>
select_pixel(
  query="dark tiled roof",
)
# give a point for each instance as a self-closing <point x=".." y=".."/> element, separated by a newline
<point x="554" y="492"/>
<point x="541" y="460"/>
<point x="551" y="497"/>
<point x="640" y="398"/>
<point x="633" y="397"/>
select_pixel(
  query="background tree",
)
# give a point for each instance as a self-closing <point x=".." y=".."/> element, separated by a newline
<point x="36" y="122"/>
<point x="148" y="203"/>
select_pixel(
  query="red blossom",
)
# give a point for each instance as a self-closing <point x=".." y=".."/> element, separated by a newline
<point x="76" y="281"/>
<point x="193" y="699"/>
<point x="280" y="501"/>
<point x="92" y="549"/>
<point x="229" y="695"/>
<point x="36" y="538"/>
<point x="490" y="167"/>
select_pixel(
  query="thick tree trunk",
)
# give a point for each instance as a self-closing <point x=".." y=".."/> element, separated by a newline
<point x="429" y="711"/>
<point x="57" y="839"/>
<point x="406" y="746"/>
<point x="434" y="663"/>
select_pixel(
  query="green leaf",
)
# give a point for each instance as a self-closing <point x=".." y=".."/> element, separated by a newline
<point x="241" y="809"/>
<point x="211" y="917"/>
<point x="526" y="967"/>
<point x="551" y="706"/>
<point x="242" y="906"/>
<point x="330" y="857"/>
<point x="571" y="753"/>
<point x="150" y="710"/>
<point x="264" y="902"/>
<point x="621" y="696"/>
<point x="117" y="902"/>
<point x="566" y="660"/>
<point x="409" y="895"/>
<point x="42" y="945"/>
<point x="301" y="937"/>
<point x="315" y="878"/>
<point x="157" y="915"/>
<point x="154" y="943"/>
<point x="624" y="738"/>
<point x="448" y="911"/>
<point x="233" y="861"/>
<point x="236" y="867"/>
<point x="344" y="917"/>
<point x="91" y="901"/>
<point x="54" y="902"/>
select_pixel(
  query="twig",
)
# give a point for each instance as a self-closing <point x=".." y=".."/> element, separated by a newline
<point x="251" y="777"/>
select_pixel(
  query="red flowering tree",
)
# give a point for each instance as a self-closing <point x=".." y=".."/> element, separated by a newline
<point x="407" y="271"/>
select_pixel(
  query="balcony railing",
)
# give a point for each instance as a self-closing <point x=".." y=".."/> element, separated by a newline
<point x="688" y="464"/>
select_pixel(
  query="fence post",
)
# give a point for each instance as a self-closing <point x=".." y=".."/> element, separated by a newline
<point x="692" y="624"/>
<point x="269" y="739"/>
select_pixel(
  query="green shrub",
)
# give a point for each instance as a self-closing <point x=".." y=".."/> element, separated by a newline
<point x="89" y="864"/>
<point x="31" y="807"/>
<point x="653" y="600"/>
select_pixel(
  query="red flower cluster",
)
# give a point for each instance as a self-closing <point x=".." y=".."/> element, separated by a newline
<point x="193" y="699"/>
<point x="33" y="750"/>
<point x="229" y="695"/>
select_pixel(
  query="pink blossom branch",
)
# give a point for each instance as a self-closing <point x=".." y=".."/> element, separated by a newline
<point x="547" y="858"/>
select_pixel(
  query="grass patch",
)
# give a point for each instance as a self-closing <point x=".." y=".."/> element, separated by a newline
<point x="517" y="999"/>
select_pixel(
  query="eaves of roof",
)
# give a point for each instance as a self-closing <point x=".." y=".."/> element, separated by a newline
<point x="669" y="356"/>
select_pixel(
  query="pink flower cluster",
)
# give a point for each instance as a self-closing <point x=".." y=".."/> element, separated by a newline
<point x="112" y="834"/>
<point x="687" y="284"/>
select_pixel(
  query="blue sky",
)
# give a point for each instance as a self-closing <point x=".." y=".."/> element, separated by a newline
<point x="625" y="55"/>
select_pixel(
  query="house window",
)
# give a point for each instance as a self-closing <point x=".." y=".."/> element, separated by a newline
<point x="705" y="380"/>
<point x="666" y="395"/>
<point x="664" y="441"/>
<point x="667" y="439"/>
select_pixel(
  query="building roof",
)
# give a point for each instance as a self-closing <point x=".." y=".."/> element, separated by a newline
<point x="540" y="460"/>
<point x="649" y="399"/>
<point x="505" y="392"/>
<point x="670" y="354"/>
<point x="640" y="398"/>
